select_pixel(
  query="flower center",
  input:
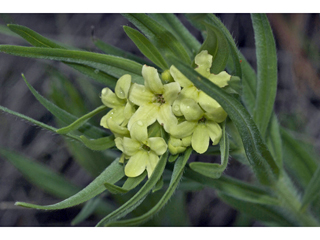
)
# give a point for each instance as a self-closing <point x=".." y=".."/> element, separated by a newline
<point x="202" y="120"/>
<point x="159" y="99"/>
<point x="145" y="147"/>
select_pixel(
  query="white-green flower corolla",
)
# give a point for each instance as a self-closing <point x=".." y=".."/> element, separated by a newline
<point x="118" y="117"/>
<point x="154" y="100"/>
<point x="204" y="61"/>
<point x="143" y="152"/>
<point x="200" y="125"/>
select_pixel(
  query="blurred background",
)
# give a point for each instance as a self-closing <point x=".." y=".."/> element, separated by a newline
<point x="297" y="107"/>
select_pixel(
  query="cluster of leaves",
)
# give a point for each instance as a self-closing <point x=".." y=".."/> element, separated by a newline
<point x="251" y="134"/>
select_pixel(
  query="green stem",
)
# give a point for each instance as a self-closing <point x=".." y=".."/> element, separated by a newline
<point x="290" y="201"/>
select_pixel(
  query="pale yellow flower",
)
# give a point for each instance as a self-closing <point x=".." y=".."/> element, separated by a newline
<point x="154" y="100"/>
<point x="143" y="152"/>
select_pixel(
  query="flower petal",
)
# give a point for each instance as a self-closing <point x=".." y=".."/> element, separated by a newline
<point x="158" y="145"/>
<point x="130" y="146"/>
<point x="179" y="77"/>
<point x="116" y="128"/>
<point x="139" y="131"/>
<point x="191" y="110"/>
<point x="200" y="139"/>
<point x="214" y="131"/>
<point x="152" y="163"/>
<point x="218" y="115"/>
<point x="128" y="110"/>
<point x="166" y="117"/>
<point x="136" y="164"/>
<point x="204" y="62"/>
<point x="152" y="80"/>
<point x="221" y="79"/>
<point x="122" y="87"/>
<point x="183" y="129"/>
<point x="140" y="95"/>
<point x="171" y="92"/>
<point x="110" y="99"/>
<point x="207" y="103"/>
<point x="148" y="113"/>
<point x="119" y="143"/>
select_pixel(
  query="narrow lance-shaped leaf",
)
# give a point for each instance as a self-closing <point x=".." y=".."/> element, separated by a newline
<point x="172" y="23"/>
<point x="235" y="188"/>
<point x="98" y="144"/>
<point x="138" y="198"/>
<point x="88" y="209"/>
<point x="214" y="170"/>
<point x="297" y="159"/>
<point x="37" y="123"/>
<point x="38" y="40"/>
<point x="64" y="116"/>
<point x="112" y="65"/>
<point x="175" y="179"/>
<point x="159" y="36"/>
<point x="146" y="47"/>
<point x="112" y="50"/>
<point x="267" y="71"/>
<point x="312" y="190"/>
<point x="256" y="150"/>
<point x="112" y="174"/>
<point x="129" y="184"/>
<point x="40" y="175"/>
<point x="80" y="121"/>
<point x="274" y="140"/>
<point x="261" y="212"/>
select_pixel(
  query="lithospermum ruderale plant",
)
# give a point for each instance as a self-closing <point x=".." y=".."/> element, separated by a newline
<point x="187" y="98"/>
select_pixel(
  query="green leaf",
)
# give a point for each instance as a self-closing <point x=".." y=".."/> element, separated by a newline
<point x="297" y="159"/>
<point x="217" y="46"/>
<point x="112" y="50"/>
<point x="99" y="144"/>
<point x="267" y="71"/>
<point x="37" y="123"/>
<point x="112" y="65"/>
<point x="261" y="160"/>
<point x="40" y="175"/>
<point x="260" y="212"/>
<point x="172" y="23"/>
<point x="146" y="47"/>
<point x="214" y="170"/>
<point x="159" y="36"/>
<point x="38" y="40"/>
<point x="175" y="179"/>
<point x="80" y="121"/>
<point x="32" y="37"/>
<point x="129" y="184"/>
<point x="312" y="190"/>
<point x="88" y="209"/>
<point x="138" y="198"/>
<point x="274" y="140"/>
<point x="234" y="188"/>
<point x="64" y="116"/>
<point x="111" y="174"/>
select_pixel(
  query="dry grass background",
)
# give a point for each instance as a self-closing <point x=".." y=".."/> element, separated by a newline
<point x="297" y="105"/>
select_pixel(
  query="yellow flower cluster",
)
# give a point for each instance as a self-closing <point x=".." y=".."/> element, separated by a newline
<point x="188" y="115"/>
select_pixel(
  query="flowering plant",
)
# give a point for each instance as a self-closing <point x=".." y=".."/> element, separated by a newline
<point x="186" y="98"/>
